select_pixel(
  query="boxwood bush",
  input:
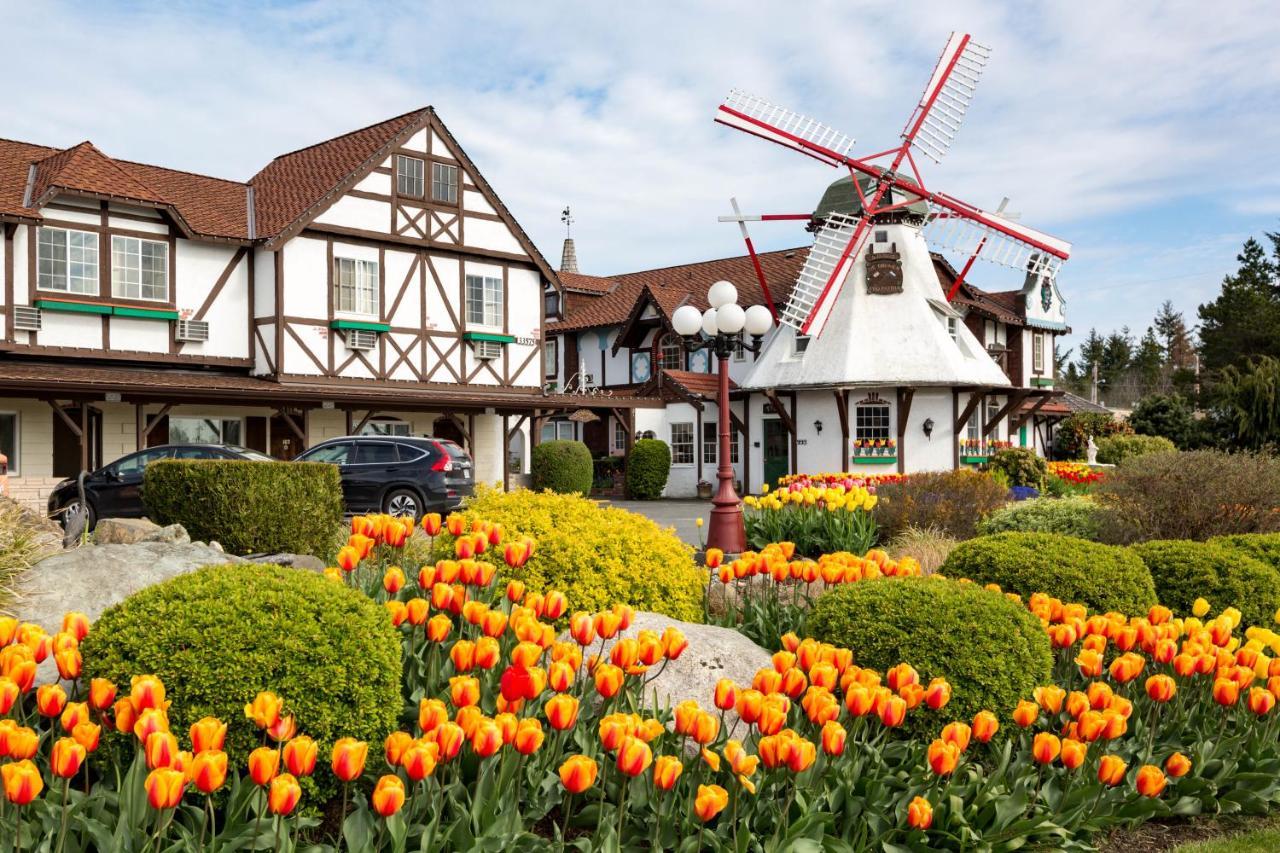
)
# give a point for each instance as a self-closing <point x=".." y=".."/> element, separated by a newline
<point x="248" y="507"/>
<point x="1261" y="546"/>
<point x="991" y="649"/>
<point x="1075" y="515"/>
<point x="647" y="469"/>
<point x="1021" y="466"/>
<point x="1184" y="571"/>
<point x="1101" y="577"/>
<point x="1115" y="449"/>
<point x="596" y="555"/>
<point x="950" y="501"/>
<point x="219" y="635"/>
<point x="562" y="466"/>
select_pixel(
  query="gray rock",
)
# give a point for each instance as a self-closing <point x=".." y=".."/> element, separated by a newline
<point x="297" y="561"/>
<point x="129" y="531"/>
<point x="93" y="578"/>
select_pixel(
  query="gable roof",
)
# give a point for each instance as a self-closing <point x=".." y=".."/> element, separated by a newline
<point x="576" y="282"/>
<point x="83" y="168"/>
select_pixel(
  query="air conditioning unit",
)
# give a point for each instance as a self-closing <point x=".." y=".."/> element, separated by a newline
<point x="193" y="331"/>
<point x="361" y="339"/>
<point x="488" y="350"/>
<point x="26" y="318"/>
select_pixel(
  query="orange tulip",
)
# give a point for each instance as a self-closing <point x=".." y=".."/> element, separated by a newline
<point x="416" y="610"/>
<point x="393" y="580"/>
<point x="666" y="771"/>
<point x="431" y="524"/>
<point x="161" y="749"/>
<point x="388" y="795"/>
<point x="578" y="773"/>
<point x="164" y="787"/>
<point x="348" y="758"/>
<point x="919" y="814"/>
<point x="283" y="795"/>
<point x="834" y="736"/>
<point x="69" y="664"/>
<point x="937" y="694"/>
<point x="706" y="728"/>
<point x="487" y="739"/>
<point x="1177" y="765"/>
<point x="450" y="737"/>
<point x="1050" y="697"/>
<point x="1045" y="748"/>
<point x="393" y="748"/>
<point x="1073" y="753"/>
<point x="608" y="680"/>
<point x="431" y="713"/>
<point x="284" y="729"/>
<point x="464" y="690"/>
<point x="634" y="756"/>
<point x="419" y="760"/>
<point x="264" y="710"/>
<point x="985" y="726"/>
<point x="802" y="755"/>
<point x="208" y="733"/>
<point x="9" y="694"/>
<point x="893" y="711"/>
<point x="50" y="699"/>
<point x="1226" y="692"/>
<point x="264" y="763"/>
<point x="22" y="743"/>
<point x="85" y="734"/>
<point x="209" y="770"/>
<point x="1151" y="781"/>
<point x="147" y="691"/>
<point x="73" y="714"/>
<point x="300" y="756"/>
<point x="943" y="757"/>
<point x="1261" y="701"/>
<point x="76" y="624"/>
<point x="22" y="782"/>
<point x="710" y="801"/>
<point x="1161" y="688"/>
<point x="529" y="736"/>
<point x="1026" y="714"/>
<point x="66" y="757"/>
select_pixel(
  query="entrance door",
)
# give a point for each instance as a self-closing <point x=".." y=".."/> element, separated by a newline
<point x="285" y="444"/>
<point x="66" y="446"/>
<point x="777" y="451"/>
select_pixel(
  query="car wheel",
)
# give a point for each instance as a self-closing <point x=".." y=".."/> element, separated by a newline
<point x="402" y="502"/>
<point x="72" y="507"/>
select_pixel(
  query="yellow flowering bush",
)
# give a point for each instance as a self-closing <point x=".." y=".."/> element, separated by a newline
<point x="819" y="519"/>
<point x="600" y="555"/>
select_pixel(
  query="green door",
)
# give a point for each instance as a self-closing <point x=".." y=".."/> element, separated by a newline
<point x="777" y="451"/>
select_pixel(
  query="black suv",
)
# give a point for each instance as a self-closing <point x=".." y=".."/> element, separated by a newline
<point x="397" y="474"/>
<point x="115" y="490"/>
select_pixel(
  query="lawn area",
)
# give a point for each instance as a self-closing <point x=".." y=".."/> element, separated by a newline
<point x="1263" y="840"/>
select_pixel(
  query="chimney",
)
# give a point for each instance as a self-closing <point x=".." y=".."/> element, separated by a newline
<point x="569" y="257"/>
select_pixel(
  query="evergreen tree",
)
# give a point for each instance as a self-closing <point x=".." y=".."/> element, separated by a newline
<point x="1247" y="404"/>
<point x="1090" y="353"/>
<point x="1171" y="329"/>
<point x="1117" y="355"/>
<point x="1149" y="361"/>
<point x="1243" y="322"/>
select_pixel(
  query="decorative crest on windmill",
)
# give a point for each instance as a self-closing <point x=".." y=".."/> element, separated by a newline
<point x="880" y="191"/>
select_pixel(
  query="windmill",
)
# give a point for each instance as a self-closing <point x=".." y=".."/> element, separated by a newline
<point x="949" y="224"/>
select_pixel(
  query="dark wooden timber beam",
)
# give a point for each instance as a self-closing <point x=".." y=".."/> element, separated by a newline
<point x="1021" y="420"/>
<point x="975" y="399"/>
<point x="781" y="411"/>
<point x="1015" y="400"/>
<point x="293" y="426"/>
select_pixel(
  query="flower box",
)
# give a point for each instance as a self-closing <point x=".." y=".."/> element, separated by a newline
<point x="875" y="460"/>
<point x="969" y="459"/>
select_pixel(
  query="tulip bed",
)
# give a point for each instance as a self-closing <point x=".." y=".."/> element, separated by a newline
<point x="820" y="519"/>
<point x="516" y="736"/>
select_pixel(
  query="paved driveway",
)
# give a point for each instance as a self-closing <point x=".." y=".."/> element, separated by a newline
<point x="682" y="515"/>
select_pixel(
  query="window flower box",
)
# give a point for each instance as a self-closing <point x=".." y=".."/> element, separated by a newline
<point x="875" y="460"/>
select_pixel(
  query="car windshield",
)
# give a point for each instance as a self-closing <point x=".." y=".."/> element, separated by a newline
<point x="250" y="454"/>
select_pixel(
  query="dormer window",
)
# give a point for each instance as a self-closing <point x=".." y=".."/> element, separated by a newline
<point x="799" y="346"/>
<point x="410" y="173"/>
<point x="139" y="269"/>
<point x="671" y="353"/>
<point x="444" y="183"/>
<point x="953" y="328"/>
<point x="67" y="261"/>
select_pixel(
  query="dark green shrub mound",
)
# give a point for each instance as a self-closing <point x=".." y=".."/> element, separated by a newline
<point x="1101" y="577"/>
<point x="991" y="649"/>
<point x="248" y="507"/>
<point x="1184" y="571"/>
<point x="1075" y="515"/>
<point x="1115" y="449"/>
<point x="562" y="466"/>
<point x="217" y="636"/>
<point x="1021" y="466"/>
<point x="647" y="469"/>
<point x="950" y="501"/>
<point x="1261" y="546"/>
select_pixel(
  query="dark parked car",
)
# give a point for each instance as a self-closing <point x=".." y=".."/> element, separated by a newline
<point x="115" y="490"/>
<point x="398" y="474"/>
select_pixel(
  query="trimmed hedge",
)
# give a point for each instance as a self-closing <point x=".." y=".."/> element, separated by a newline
<point x="1101" y="577"/>
<point x="1184" y="570"/>
<point x="951" y="501"/>
<point x="1022" y="467"/>
<point x="596" y="555"/>
<point x="1115" y="449"/>
<point x="1264" y="547"/>
<point x="991" y="649"/>
<point x="647" y="469"/>
<point x="562" y="466"/>
<point x="248" y="507"/>
<point x="219" y="635"/>
<point x="1075" y="515"/>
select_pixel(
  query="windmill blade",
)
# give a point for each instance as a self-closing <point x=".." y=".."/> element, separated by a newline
<point x="835" y="247"/>
<point x="963" y="228"/>
<point x="936" y="119"/>
<point x="777" y="124"/>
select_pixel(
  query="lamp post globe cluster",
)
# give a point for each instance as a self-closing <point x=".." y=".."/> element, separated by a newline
<point x="721" y="329"/>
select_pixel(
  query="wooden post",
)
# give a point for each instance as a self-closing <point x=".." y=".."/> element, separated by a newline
<point x="842" y="408"/>
<point x="506" y="455"/>
<point x="84" y="435"/>
<point x="905" y="396"/>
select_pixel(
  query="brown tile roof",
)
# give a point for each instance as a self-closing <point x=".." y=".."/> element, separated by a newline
<point x="705" y="385"/>
<point x="578" y="282"/>
<point x="15" y="166"/>
<point x="85" y="169"/>
<point x="673" y="286"/>
<point x="211" y="206"/>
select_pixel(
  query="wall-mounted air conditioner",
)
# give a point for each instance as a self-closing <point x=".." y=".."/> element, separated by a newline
<point x="361" y="339"/>
<point x="488" y="350"/>
<point x="192" y="331"/>
<point x="26" y="318"/>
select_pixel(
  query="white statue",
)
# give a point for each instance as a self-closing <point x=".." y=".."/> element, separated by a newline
<point x="1091" y="452"/>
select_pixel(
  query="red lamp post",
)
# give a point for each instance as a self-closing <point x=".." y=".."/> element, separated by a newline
<point x="720" y="329"/>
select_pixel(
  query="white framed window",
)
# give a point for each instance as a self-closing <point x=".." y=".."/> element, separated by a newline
<point x="189" y="429"/>
<point x="9" y="440"/>
<point x="682" y="444"/>
<point x="799" y="346"/>
<point x="953" y="328"/>
<point x="67" y="261"/>
<point x="711" y="444"/>
<point x="992" y="407"/>
<point x="739" y="351"/>
<point x="619" y="435"/>
<point x="386" y="426"/>
<point x="444" y="183"/>
<point x="671" y="353"/>
<point x="410" y="173"/>
<point x="550" y="357"/>
<point x="1037" y="352"/>
<point x="139" y="269"/>
<point x="484" y="300"/>
<point x="355" y="286"/>
<point x="973" y="429"/>
<point x="871" y="421"/>
<point x="561" y="430"/>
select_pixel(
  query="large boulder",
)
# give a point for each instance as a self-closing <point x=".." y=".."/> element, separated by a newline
<point x="130" y="531"/>
<point x="93" y="578"/>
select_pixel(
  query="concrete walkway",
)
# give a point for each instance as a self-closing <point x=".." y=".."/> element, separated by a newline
<point x="680" y="514"/>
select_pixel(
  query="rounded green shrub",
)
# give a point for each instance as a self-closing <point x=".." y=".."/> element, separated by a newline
<point x="1101" y="577"/>
<point x="1021" y="466"/>
<point x="1184" y="570"/>
<point x="991" y="649"/>
<point x="597" y="556"/>
<point x="1075" y="515"/>
<point x="647" y="469"/>
<point x="219" y="635"/>
<point x="1115" y="449"/>
<point x="562" y="466"/>
<point x="1264" y="547"/>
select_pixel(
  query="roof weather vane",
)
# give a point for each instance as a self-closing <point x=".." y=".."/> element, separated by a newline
<point x="567" y="218"/>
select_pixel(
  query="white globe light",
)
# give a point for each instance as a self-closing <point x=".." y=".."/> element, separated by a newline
<point x="709" y="322"/>
<point x="722" y="293"/>
<point x="758" y="321"/>
<point x="686" y="320"/>
<point x="730" y="317"/>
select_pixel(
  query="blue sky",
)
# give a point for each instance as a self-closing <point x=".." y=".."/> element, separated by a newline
<point x="1146" y="133"/>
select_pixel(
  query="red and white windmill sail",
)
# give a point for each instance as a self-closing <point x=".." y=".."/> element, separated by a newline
<point x="930" y="130"/>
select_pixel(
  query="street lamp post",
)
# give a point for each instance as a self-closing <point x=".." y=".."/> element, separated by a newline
<point x="720" y="329"/>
